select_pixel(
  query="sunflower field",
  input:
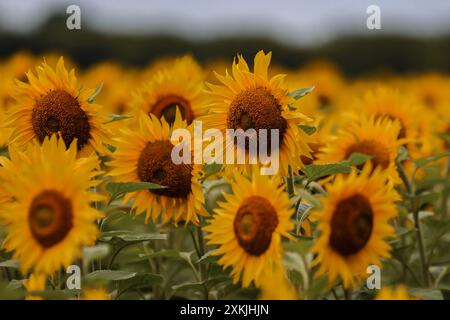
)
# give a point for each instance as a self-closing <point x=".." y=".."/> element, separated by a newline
<point x="93" y="207"/>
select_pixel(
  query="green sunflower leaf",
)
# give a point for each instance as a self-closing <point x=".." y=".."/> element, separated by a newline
<point x="96" y="252"/>
<point x="110" y="275"/>
<point x="141" y="280"/>
<point x="317" y="171"/>
<point x="425" y="198"/>
<point x="161" y="254"/>
<point x="422" y="162"/>
<point x="402" y="154"/>
<point x="303" y="212"/>
<point x="117" y="117"/>
<point x="207" y="258"/>
<point x="65" y="294"/>
<point x="119" y="189"/>
<point x="13" y="264"/>
<point x="211" y="169"/>
<point x="131" y="236"/>
<point x="97" y="91"/>
<point x="200" y="286"/>
<point x="357" y="159"/>
<point x="426" y="294"/>
<point x="309" y="130"/>
<point x="300" y="93"/>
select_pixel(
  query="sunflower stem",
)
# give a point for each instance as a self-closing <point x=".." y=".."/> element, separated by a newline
<point x="421" y="244"/>
<point x="409" y="186"/>
<point x="290" y="182"/>
<point x="201" y="245"/>
<point x="333" y="291"/>
<point x="194" y="241"/>
<point x="348" y="294"/>
<point x="405" y="180"/>
<point x="445" y="193"/>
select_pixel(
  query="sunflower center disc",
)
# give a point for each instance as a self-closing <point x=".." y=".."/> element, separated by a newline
<point x="379" y="153"/>
<point x="351" y="225"/>
<point x="166" y="107"/>
<point x="254" y="224"/>
<point x="256" y="109"/>
<point x="58" y="111"/>
<point x="324" y="101"/>
<point x="50" y="218"/>
<point x="155" y="165"/>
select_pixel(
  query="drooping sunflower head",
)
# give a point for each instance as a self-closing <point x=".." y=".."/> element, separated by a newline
<point x="251" y="100"/>
<point x="374" y="137"/>
<point x="178" y="85"/>
<point x="248" y="227"/>
<point x="51" y="102"/>
<point x="354" y="225"/>
<point x="49" y="218"/>
<point x="145" y="155"/>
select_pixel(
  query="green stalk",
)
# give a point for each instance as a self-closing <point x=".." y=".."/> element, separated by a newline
<point x="446" y="193"/>
<point x="421" y="244"/>
<point x="348" y="294"/>
<point x="290" y="182"/>
<point x="201" y="247"/>
<point x="415" y="210"/>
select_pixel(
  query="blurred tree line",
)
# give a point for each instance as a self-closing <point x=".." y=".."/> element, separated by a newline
<point x="355" y="55"/>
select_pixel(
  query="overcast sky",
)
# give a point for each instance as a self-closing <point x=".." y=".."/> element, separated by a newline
<point x="297" y="22"/>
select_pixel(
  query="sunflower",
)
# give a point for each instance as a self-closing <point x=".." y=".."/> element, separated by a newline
<point x="249" y="100"/>
<point x="4" y="132"/>
<point x="248" y="227"/>
<point x="354" y="224"/>
<point x="430" y="89"/>
<point x="397" y="293"/>
<point x="52" y="102"/>
<point x="34" y="284"/>
<point x="328" y="85"/>
<point x="95" y="294"/>
<point x="144" y="155"/>
<point x="14" y="67"/>
<point x="177" y="85"/>
<point x="117" y="86"/>
<point x="50" y="217"/>
<point x="374" y="137"/>
<point x="385" y="102"/>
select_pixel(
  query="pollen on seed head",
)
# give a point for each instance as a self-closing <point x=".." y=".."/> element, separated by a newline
<point x="256" y="109"/>
<point x="58" y="111"/>
<point x="351" y="225"/>
<point x="50" y="218"/>
<point x="254" y="224"/>
<point x="155" y="165"/>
